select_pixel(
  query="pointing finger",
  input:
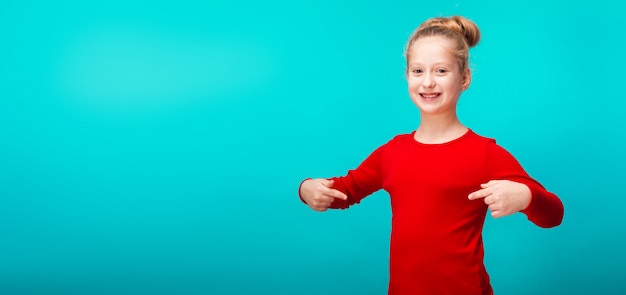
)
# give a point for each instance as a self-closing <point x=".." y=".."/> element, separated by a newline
<point x="479" y="194"/>
<point x="337" y="194"/>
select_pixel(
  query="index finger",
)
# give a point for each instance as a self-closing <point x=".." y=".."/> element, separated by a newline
<point x="335" y="194"/>
<point x="482" y="193"/>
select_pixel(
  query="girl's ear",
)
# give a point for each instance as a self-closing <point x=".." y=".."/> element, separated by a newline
<point x="466" y="79"/>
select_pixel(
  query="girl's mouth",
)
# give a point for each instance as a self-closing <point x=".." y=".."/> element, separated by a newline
<point x="429" y="95"/>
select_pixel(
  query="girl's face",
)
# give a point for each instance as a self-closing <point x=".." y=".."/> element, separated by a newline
<point x="434" y="76"/>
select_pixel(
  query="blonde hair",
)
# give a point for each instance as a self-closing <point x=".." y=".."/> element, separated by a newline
<point x="463" y="32"/>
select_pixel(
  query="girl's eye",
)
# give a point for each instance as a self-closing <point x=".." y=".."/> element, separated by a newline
<point x="441" y="71"/>
<point x="417" y="71"/>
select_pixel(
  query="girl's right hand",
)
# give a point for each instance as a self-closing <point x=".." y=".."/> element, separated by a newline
<point x="319" y="194"/>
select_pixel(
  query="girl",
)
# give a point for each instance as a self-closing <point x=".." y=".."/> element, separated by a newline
<point x="441" y="178"/>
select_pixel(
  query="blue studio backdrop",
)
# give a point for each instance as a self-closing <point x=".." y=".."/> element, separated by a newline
<point x="156" y="147"/>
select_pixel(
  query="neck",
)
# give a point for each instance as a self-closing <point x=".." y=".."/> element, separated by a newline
<point x="439" y="128"/>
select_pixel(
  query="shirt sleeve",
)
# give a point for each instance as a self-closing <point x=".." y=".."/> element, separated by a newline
<point x="545" y="208"/>
<point x="359" y="182"/>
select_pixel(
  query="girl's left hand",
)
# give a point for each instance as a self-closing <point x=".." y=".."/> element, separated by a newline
<point x="504" y="197"/>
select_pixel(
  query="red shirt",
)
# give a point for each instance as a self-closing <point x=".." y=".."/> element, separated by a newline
<point x="436" y="236"/>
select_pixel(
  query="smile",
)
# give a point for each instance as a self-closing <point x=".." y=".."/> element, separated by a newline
<point x="429" y="95"/>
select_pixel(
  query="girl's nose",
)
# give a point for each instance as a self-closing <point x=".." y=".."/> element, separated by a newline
<point x="428" y="81"/>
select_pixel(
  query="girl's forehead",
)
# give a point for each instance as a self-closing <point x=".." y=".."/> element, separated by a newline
<point x="429" y="49"/>
<point x="434" y="44"/>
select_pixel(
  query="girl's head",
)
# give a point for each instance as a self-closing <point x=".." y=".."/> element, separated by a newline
<point x="437" y="63"/>
<point x="462" y="32"/>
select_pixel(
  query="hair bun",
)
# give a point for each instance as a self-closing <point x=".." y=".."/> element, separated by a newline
<point x="467" y="28"/>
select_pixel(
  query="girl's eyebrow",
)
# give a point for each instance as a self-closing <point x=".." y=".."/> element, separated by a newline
<point x="412" y="64"/>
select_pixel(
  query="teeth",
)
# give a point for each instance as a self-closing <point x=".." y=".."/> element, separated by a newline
<point x="429" y="95"/>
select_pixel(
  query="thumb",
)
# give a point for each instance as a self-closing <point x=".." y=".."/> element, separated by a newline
<point x="490" y="183"/>
<point x="328" y="182"/>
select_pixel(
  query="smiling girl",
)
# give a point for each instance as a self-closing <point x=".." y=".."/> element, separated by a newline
<point x="441" y="178"/>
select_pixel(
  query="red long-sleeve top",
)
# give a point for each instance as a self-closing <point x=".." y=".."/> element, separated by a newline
<point x="436" y="237"/>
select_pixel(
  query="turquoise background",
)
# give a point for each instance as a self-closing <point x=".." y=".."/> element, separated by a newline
<point x="156" y="147"/>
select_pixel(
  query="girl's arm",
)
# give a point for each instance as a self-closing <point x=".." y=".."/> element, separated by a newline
<point x="342" y="192"/>
<point x="512" y="190"/>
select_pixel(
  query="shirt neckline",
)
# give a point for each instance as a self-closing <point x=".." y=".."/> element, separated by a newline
<point x="463" y="136"/>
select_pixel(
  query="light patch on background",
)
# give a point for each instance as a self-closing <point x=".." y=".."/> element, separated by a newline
<point x="120" y="69"/>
